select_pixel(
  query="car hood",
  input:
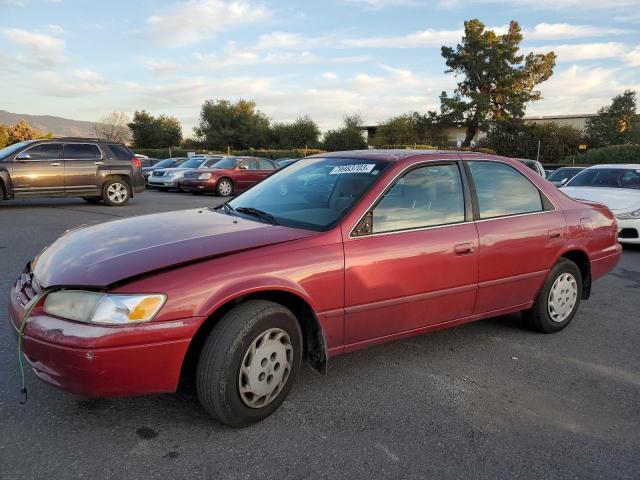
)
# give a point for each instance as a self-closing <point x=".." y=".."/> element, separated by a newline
<point x="618" y="200"/>
<point x="100" y="255"/>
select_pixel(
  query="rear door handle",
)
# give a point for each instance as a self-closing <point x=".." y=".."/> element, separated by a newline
<point x="99" y="163"/>
<point x="556" y="233"/>
<point x="463" y="248"/>
<point x="55" y="164"/>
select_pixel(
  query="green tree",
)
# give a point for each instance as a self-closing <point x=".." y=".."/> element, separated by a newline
<point x="4" y="136"/>
<point x="497" y="81"/>
<point x="303" y="132"/>
<point x="615" y="124"/>
<point x="237" y="125"/>
<point x="349" y="137"/>
<point x="548" y="142"/>
<point x="151" y="132"/>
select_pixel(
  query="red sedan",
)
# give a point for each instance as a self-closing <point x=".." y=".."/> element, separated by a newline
<point x="332" y="254"/>
<point x="229" y="175"/>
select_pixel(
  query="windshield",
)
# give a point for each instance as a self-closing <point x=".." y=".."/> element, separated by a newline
<point x="313" y="194"/>
<point x="193" y="163"/>
<point x="607" y="178"/>
<point x="165" y="163"/>
<point x="229" y="162"/>
<point x="562" y="173"/>
<point x="11" y="149"/>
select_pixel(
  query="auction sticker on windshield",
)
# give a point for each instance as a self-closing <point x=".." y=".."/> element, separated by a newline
<point x="359" y="168"/>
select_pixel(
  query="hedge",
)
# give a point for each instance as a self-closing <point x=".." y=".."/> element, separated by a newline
<point x="610" y="154"/>
<point x="273" y="154"/>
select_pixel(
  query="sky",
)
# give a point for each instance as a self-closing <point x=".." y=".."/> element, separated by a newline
<point x="326" y="58"/>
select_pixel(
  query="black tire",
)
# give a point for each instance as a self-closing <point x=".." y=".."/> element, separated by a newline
<point x="539" y="317"/>
<point x="223" y="354"/>
<point x="121" y="186"/>
<point x="3" y="192"/>
<point x="221" y="188"/>
<point x="92" y="199"/>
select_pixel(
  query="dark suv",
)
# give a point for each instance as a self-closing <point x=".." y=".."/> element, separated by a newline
<point x="96" y="170"/>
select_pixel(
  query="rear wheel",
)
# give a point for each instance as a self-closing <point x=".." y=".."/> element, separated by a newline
<point x="115" y="192"/>
<point x="249" y="362"/>
<point x="559" y="300"/>
<point x="224" y="187"/>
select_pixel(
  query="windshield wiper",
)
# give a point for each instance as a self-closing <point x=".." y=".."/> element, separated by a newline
<point x="254" y="212"/>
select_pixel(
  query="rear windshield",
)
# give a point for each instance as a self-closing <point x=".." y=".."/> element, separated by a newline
<point x="120" y="151"/>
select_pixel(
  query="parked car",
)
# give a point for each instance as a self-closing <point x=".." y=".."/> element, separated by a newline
<point x="617" y="187"/>
<point x="96" y="170"/>
<point x="229" y="175"/>
<point x="167" y="178"/>
<point x="534" y="165"/>
<point x="562" y="175"/>
<point x="166" y="163"/>
<point x="387" y="244"/>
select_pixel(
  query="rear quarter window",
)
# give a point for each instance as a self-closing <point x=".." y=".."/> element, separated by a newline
<point x="121" y="152"/>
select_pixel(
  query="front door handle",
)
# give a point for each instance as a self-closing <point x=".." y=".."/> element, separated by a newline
<point x="463" y="248"/>
<point x="55" y="164"/>
<point x="99" y="163"/>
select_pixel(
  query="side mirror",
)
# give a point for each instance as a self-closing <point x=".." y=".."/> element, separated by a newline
<point x="365" y="227"/>
<point x="563" y="181"/>
<point x="23" y="156"/>
<point x="244" y="167"/>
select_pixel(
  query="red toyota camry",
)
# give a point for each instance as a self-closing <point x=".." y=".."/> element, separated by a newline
<point x="331" y="254"/>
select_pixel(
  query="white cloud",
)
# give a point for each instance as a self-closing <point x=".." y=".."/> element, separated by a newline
<point x="280" y="40"/>
<point x="537" y="4"/>
<point x="160" y="67"/>
<point x="548" y="31"/>
<point x="423" y="38"/>
<point x="46" y="49"/>
<point x="329" y="76"/>
<point x="581" y="89"/>
<point x="56" y="29"/>
<point x="633" y="57"/>
<point x="584" y="51"/>
<point x="81" y="82"/>
<point x="189" y="22"/>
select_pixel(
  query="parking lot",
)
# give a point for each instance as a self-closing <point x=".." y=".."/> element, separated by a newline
<point x="489" y="399"/>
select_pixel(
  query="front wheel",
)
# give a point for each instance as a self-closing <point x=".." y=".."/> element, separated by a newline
<point x="249" y="362"/>
<point x="224" y="187"/>
<point x="559" y="300"/>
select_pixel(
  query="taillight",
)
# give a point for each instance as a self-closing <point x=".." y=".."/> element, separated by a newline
<point x="136" y="162"/>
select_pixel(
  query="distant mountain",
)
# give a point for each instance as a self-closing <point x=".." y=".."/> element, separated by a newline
<point x="56" y="125"/>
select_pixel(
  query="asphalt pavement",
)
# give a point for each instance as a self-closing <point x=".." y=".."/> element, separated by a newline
<point x="489" y="399"/>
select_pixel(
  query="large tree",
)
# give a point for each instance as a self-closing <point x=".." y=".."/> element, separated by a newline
<point x="113" y="127"/>
<point x="4" y="135"/>
<point x="303" y="132"/>
<point x="614" y="124"/>
<point x="497" y="81"/>
<point x="232" y="125"/>
<point x="349" y="137"/>
<point x="155" y="132"/>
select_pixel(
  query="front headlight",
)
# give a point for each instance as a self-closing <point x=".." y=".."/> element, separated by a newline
<point x="103" y="308"/>
<point x="629" y="215"/>
<point x="204" y="176"/>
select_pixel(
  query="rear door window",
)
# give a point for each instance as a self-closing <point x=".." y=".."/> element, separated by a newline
<point x="81" y="151"/>
<point x="502" y="190"/>
<point x="265" y="165"/>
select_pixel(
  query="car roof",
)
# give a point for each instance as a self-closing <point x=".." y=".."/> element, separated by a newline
<point x="627" y="166"/>
<point x="79" y="139"/>
<point x="392" y="155"/>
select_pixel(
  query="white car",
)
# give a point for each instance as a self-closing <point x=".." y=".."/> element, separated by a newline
<point x="618" y="187"/>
